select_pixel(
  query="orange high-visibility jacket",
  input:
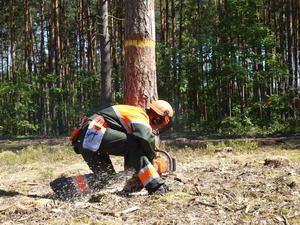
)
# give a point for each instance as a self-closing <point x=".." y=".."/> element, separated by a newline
<point x="134" y="121"/>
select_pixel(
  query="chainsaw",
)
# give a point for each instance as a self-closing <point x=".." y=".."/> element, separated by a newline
<point x="164" y="163"/>
<point x="75" y="186"/>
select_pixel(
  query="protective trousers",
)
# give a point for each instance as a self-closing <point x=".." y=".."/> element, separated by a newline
<point x="120" y="144"/>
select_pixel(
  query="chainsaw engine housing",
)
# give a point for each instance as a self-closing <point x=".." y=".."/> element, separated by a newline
<point x="164" y="163"/>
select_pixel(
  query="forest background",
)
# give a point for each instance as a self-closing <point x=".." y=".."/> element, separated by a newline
<point x="227" y="66"/>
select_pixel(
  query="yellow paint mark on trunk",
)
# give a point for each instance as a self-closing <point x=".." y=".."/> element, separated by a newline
<point x="140" y="43"/>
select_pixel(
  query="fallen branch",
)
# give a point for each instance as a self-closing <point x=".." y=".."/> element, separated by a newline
<point x="120" y="213"/>
<point x="5" y="207"/>
<point x="285" y="220"/>
<point x="132" y="209"/>
<point x="197" y="190"/>
<point x="203" y="203"/>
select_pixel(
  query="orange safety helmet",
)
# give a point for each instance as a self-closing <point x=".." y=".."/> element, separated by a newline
<point x="164" y="111"/>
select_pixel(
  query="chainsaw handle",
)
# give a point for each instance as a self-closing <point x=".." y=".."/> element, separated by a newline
<point x="172" y="161"/>
<point x="164" y="152"/>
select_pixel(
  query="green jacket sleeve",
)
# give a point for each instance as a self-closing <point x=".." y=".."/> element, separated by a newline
<point x="146" y="137"/>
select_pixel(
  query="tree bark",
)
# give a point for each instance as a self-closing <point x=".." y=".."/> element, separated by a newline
<point x="106" y="93"/>
<point x="11" y="74"/>
<point x="140" y="69"/>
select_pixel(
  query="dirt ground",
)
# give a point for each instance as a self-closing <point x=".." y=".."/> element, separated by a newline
<point x="220" y="184"/>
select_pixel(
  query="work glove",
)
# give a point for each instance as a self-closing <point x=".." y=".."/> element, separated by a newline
<point x="160" y="190"/>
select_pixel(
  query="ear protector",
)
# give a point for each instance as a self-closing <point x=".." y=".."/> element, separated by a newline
<point x="162" y="119"/>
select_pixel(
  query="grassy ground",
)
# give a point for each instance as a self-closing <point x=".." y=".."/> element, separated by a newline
<point x="232" y="182"/>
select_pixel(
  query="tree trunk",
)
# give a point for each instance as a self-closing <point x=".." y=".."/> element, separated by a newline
<point x="289" y="25"/>
<point x="81" y="34"/>
<point x="89" y="36"/>
<point x="12" y="42"/>
<point x="140" y="71"/>
<point x="51" y="45"/>
<point x="163" y="21"/>
<point x="106" y="94"/>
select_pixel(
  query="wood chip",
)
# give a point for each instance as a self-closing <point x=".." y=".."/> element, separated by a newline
<point x="132" y="209"/>
<point x="56" y="210"/>
<point x="31" y="184"/>
<point x="23" y="218"/>
<point x="141" y="193"/>
<point x="247" y="209"/>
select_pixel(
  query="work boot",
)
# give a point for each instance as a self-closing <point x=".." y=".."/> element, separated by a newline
<point x="160" y="190"/>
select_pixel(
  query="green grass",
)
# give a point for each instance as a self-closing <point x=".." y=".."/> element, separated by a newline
<point x="33" y="154"/>
<point x="248" y="218"/>
<point x="81" y="220"/>
<point x="295" y="220"/>
<point x="46" y="173"/>
<point x="173" y="197"/>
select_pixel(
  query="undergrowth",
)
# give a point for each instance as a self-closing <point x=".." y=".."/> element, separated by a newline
<point x="40" y="153"/>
